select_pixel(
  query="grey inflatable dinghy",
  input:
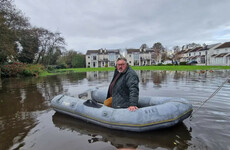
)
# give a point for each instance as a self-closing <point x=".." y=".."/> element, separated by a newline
<point x="153" y="113"/>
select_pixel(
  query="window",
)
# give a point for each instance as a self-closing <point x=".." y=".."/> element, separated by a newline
<point x="202" y="60"/>
<point x="111" y="63"/>
<point x="112" y="57"/>
<point x="136" y="63"/>
<point x="94" y="57"/>
<point x="88" y="56"/>
<point x="136" y="56"/>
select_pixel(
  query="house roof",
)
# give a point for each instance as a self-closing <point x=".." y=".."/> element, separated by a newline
<point x="181" y="52"/>
<point x="149" y="50"/>
<point x="207" y="47"/>
<point x="225" y="45"/>
<point x="212" y="45"/>
<point x="132" y="50"/>
<point x="91" y="52"/>
<point x="101" y="51"/>
<point x="213" y="55"/>
<point x="196" y="49"/>
<point x="117" y="51"/>
<point x="203" y="49"/>
<point x="192" y="57"/>
<point x="187" y="51"/>
<point x="221" y="54"/>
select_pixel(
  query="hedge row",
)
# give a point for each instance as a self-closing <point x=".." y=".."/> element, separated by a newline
<point x="20" y="69"/>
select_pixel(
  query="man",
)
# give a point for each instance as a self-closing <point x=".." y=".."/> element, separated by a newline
<point x="124" y="87"/>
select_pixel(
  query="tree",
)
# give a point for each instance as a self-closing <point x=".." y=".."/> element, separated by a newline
<point x="191" y="46"/>
<point x="15" y="19"/>
<point x="15" y="30"/>
<point x="158" y="50"/>
<point x="176" y="49"/>
<point x="78" y="61"/>
<point x="72" y="58"/>
<point x="12" y="21"/>
<point x="143" y="46"/>
<point x="7" y="45"/>
<point x="52" y="56"/>
<point x="176" y="55"/>
<point x="49" y="42"/>
<point x="29" y="43"/>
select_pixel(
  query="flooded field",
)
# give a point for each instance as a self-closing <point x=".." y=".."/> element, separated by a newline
<point x="27" y="122"/>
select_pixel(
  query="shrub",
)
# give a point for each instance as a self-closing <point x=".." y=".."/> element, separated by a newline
<point x="182" y="63"/>
<point x="51" y="68"/>
<point x="33" y="70"/>
<point x="159" y="64"/>
<point x="16" y="69"/>
<point x="61" y="66"/>
<point x="12" y="69"/>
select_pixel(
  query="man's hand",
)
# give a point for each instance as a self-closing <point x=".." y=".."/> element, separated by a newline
<point x="133" y="108"/>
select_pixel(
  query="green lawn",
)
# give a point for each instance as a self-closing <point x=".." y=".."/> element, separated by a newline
<point x="172" y="68"/>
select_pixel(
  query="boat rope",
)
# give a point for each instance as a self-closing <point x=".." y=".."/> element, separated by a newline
<point x="213" y="94"/>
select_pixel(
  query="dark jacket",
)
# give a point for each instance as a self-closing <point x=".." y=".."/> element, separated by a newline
<point x="126" y="89"/>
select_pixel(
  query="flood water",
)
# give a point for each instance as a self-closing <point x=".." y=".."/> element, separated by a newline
<point x="27" y="122"/>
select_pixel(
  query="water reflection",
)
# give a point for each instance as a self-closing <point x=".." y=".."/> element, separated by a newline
<point x="19" y="103"/>
<point x="175" y="137"/>
<point x="23" y="101"/>
<point x="0" y="83"/>
<point x="97" y="75"/>
<point x="159" y="77"/>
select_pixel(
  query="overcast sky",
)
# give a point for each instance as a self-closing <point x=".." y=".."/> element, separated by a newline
<point x="112" y="24"/>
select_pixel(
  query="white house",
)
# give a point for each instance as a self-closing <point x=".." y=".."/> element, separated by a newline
<point x="140" y="57"/>
<point x="211" y="51"/>
<point x="215" y="54"/>
<point x="221" y="55"/>
<point x="101" y="58"/>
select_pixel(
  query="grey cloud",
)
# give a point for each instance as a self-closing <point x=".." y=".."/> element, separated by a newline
<point x="92" y="24"/>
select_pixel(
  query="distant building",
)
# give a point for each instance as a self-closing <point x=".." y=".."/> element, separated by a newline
<point x="210" y="51"/>
<point x="221" y="55"/>
<point x="196" y="54"/>
<point x="101" y="58"/>
<point x="140" y="57"/>
<point x="215" y="54"/>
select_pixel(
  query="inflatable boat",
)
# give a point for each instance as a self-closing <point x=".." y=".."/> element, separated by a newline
<point x="153" y="113"/>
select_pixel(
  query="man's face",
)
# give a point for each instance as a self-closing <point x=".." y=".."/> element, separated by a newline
<point x="121" y="65"/>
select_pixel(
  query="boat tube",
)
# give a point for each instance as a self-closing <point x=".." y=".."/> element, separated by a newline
<point x="153" y="113"/>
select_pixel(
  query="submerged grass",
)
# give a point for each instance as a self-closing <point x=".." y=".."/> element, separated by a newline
<point x="171" y="68"/>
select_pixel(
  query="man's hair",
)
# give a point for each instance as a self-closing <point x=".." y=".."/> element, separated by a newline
<point x="122" y="58"/>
